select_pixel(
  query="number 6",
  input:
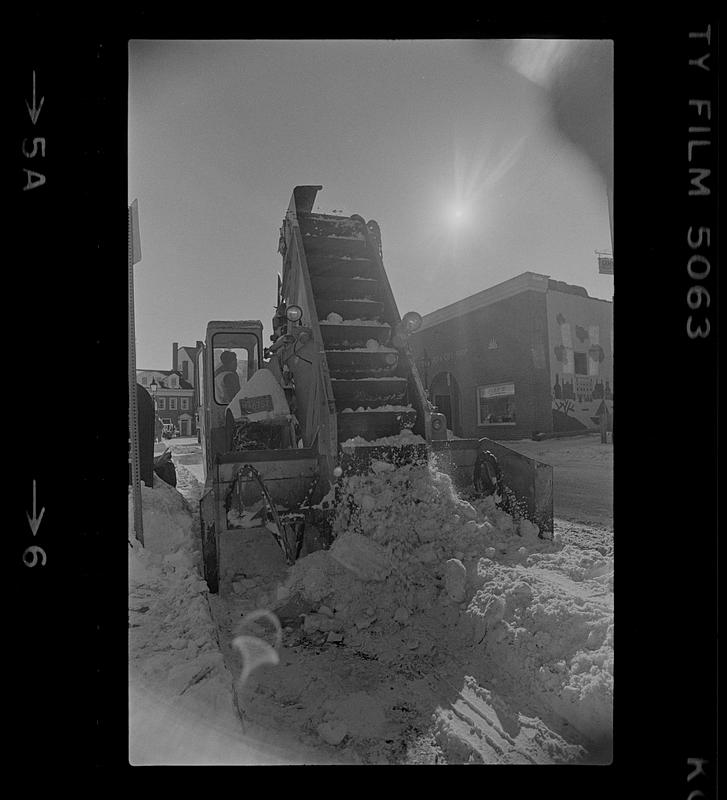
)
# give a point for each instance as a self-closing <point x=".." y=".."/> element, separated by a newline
<point x="701" y="292"/>
<point x="34" y="551"/>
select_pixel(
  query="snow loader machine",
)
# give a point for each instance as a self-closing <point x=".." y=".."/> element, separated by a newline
<point x="336" y="389"/>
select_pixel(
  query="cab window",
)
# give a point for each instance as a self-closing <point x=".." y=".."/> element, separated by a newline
<point x="234" y="359"/>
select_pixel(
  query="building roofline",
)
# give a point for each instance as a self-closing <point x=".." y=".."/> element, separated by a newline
<point x="526" y="281"/>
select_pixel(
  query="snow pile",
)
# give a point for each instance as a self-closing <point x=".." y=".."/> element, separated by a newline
<point x="579" y="564"/>
<point x="171" y="634"/>
<point x="174" y="655"/>
<point x="358" y="714"/>
<point x="361" y="409"/>
<point x="403" y="439"/>
<point x="167" y="518"/>
<point x="405" y="526"/>
<point x="549" y="642"/>
<point x="418" y="576"/>
<point x="362" y="556"/>
<point x="415" y="511"/>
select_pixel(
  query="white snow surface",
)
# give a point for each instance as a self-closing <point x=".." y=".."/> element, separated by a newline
<point x="471" y="585"/>
<point x="432" y="620"/>
<point x="361" y="409"/>
<point x="182" y="708"/>
<point x="406" y="437"/>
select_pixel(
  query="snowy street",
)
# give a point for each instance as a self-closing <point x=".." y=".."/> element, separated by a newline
<point x="484" y="645"/>
<point x="348" y="583"/>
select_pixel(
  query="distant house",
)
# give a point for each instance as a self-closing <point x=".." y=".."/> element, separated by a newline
<point x="183" y="361"/>
<point x="174" y="389"/>
<point x="173" y="396"/>
<point x="529" y="354"/>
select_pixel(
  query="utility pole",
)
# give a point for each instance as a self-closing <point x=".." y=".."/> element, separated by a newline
<point x="134" y="257"/>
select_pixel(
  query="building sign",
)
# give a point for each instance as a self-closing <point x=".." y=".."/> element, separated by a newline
<point x="253" y="405"/>
<point x="452" y="355"/>
<point x="605" y="265"/>
<point x="498" y="390"/>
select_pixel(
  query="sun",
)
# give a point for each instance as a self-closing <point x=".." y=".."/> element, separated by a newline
<point x="458" y="215"/>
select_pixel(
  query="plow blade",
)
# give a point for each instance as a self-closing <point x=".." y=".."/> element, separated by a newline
<point x="529" y="480"/>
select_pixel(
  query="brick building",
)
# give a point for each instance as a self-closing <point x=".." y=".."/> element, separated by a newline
<point x="174" y="389"/>
<point x="174" y="397"/>
<point x="529" y="354"/>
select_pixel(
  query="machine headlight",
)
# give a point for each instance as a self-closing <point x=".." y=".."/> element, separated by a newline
<point x="294" y="313"/>
<point x="412" y="321"/>
<point x="439" y="426"/>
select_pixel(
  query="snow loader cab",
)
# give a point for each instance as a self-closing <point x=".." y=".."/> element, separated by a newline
<point x="336" y="389"/>
<point x="257" y="471"/>
<point x="230" y="355"/>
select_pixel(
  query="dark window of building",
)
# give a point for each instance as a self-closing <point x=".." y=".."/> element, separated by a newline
<point x="184" y="403"/>
<point x="496" y="404"/>
<point x="580" y="363"/>
<point x="161" y="403"/>
<point x="172" y="403"/>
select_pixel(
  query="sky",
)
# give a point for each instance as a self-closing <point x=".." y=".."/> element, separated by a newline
<point x="445" y="143"/>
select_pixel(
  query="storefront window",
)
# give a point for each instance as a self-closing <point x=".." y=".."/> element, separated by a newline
<point x="496" y="404"/>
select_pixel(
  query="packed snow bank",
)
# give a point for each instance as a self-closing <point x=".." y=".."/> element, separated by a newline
<point x="368" y="409"/>
<point x="167" y="518"/>
<point x="174" y="654"/>
<point x="547" y="642"/>
<point x="419" y="578"/>
<point x="403" y="439"/>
